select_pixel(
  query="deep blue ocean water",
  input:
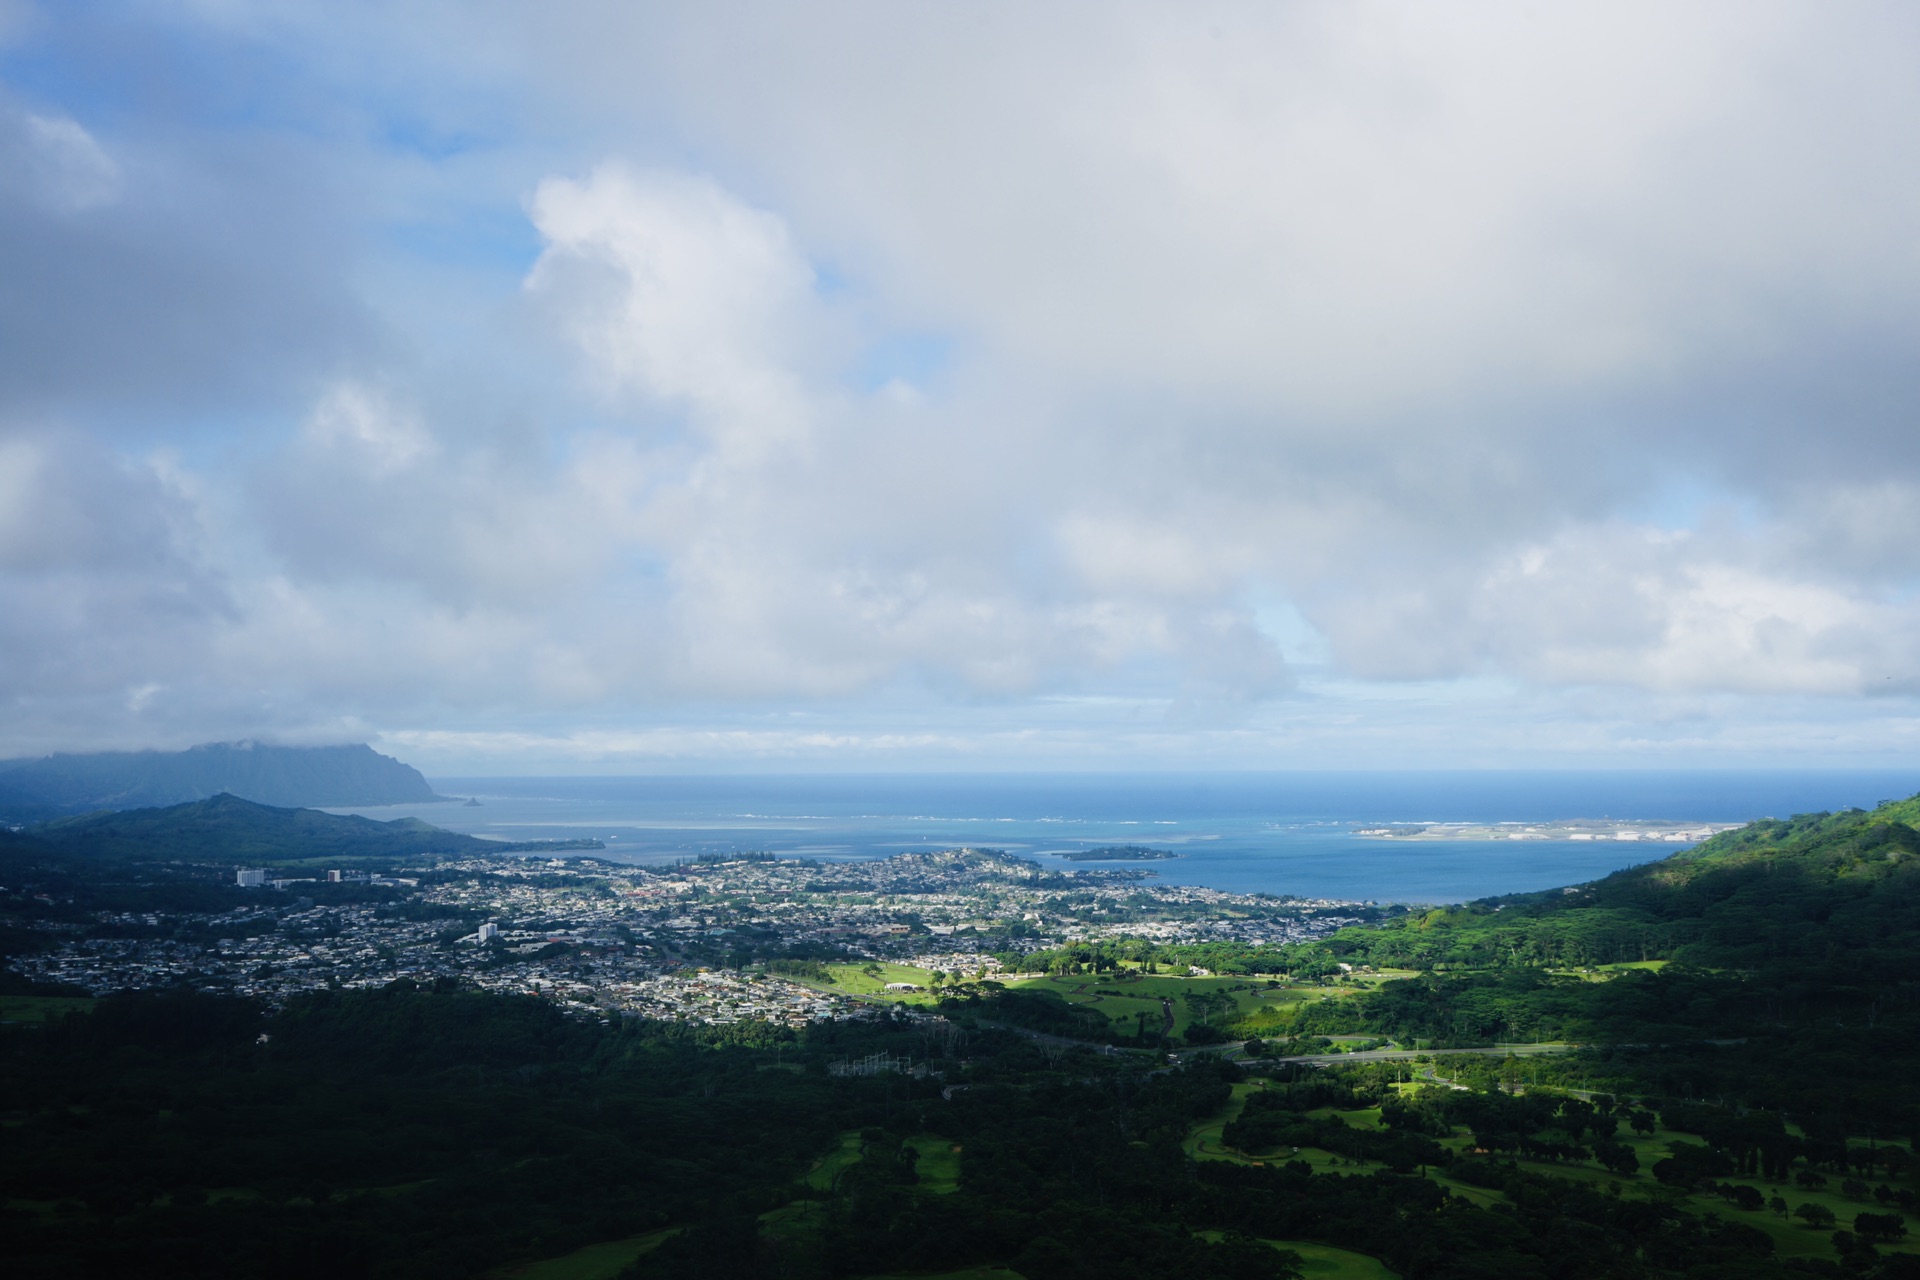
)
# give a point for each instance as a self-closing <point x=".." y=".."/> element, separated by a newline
<point x="1286" y="833"/>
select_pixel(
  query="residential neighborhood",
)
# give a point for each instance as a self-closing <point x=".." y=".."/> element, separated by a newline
<point x="699" y="941"/>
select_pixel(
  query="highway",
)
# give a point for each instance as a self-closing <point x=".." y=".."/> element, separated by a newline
<point x="1401" y="1055"/>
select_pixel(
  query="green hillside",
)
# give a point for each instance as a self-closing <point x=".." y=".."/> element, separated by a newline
<point x="1738" y="1103"/>
<point x="225" y="828"/>
<point x="1769" y="895"/>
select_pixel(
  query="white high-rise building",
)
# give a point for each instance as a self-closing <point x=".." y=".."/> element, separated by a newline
<point x="250" y="877"/>
<point x="487" y="931"/>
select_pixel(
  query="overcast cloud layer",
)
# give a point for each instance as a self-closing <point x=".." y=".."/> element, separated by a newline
<point x="613" y="387"/>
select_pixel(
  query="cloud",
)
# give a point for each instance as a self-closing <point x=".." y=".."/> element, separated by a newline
<point x="351" y="420"/>
<point x="370" y="492"/>
<point x="677" y="290"/>
<point x="1624" y="605"/>
<point x="740" y="523"/>
<point x="59" y="164"/>
<point x="147" y="279"/>
<point x="1336" y="214"/>
<point x="522" y="371"/>
<point x="105" y="586"/>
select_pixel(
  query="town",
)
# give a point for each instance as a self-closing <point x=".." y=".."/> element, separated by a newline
<point x="710" y="941"/>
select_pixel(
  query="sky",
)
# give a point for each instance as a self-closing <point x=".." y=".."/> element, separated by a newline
<point x="615" y="388"/>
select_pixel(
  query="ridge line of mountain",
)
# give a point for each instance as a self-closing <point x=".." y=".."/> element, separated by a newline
<point x="63" y="785"/>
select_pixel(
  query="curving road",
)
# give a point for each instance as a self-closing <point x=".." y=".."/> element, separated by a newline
<point x="1401" y="1055"/>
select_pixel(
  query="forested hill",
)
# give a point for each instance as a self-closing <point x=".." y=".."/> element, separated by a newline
<point x="36" y="790"/>
<point x="226" y="828"/>
<point x="1777" y="964"/>
<point x="1818" y="888"/>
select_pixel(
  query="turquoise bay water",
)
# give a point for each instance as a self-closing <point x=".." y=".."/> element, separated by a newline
<point x="1272" y="833"/>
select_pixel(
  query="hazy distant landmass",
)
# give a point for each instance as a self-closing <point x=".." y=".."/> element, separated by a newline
<point x="293" y="777"/>
<point x="1118" y="853"/>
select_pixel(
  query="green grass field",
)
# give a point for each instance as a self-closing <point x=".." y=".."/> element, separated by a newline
<point x="40" y="1008"/>
<point x="1608" y="972"/>
<point x="1791" y="1237"/>
<point x="595" y="1262"/>
<point x="821" y="1176"/>
<point x="1324" y="1262"/>
<point x="1126" y="997"/>
<point x="938" y="1170"/>
<point x="853" y="980"/>
<point x="971" y="1273"/>
<point x="939" y="1166"/>
<point x="1203" y="1141"/>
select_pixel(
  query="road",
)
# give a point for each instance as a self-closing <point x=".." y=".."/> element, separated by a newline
<point x="1401" y="1055"/>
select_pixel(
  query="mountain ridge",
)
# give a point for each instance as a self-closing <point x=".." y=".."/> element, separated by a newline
<point x="228" y="828"/>
<point x="48" y="787"/>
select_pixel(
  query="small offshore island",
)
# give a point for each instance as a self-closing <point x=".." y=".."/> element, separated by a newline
<point x="1117" y="853"/>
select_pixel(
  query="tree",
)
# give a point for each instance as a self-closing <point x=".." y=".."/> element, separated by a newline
<point x="1617" y="1157"/>
<point x="1879" y="1226"/>
<point x="1814" y="1215"/>
<point x="1853" y="1251"/>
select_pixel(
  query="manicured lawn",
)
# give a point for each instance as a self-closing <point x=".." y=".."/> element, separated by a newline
<point x="939" y="1166"/>
<point x="40" y="1008"/>
<point x="595" y="1262"/>
<point x="1128" y="1003"/>
<point x="938" y="1169"/>
<point x="1608" y="972"/>
<point x="852" y="979"/>
<point x="971" y="1273"/>
<point x="1203" y="1141"/>
<point x="1791" y="1237"/>
<point x="1126" y="996"/>
<point x="1324" y="1262"/>
<point x="793" y="1219"/>
<point x="820" y="1177"/>
<point x="1366" y="1119"/>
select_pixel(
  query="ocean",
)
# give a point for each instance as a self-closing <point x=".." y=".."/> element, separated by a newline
<point x="1281" y="833"/>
